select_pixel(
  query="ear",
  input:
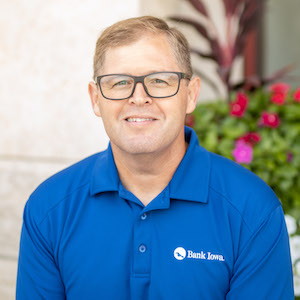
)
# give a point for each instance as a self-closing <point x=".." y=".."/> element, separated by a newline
<point x="193" y="92"/>
<point x="94" y="95"/>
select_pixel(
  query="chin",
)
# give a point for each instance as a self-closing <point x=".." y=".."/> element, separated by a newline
<point x="140" y="148"/>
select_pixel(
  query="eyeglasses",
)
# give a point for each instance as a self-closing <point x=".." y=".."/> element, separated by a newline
<point x="156" y="85"/>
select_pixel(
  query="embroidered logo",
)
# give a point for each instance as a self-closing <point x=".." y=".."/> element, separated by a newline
<point x="180" y="254"/>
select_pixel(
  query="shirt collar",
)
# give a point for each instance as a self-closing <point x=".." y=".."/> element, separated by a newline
<point x="105" y="176"/>
<point x="190" y="181"/>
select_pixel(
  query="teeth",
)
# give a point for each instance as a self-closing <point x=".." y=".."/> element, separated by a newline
<point x="138" y="119"/>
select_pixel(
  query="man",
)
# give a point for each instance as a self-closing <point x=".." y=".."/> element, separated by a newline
<point x="155" y="216"/>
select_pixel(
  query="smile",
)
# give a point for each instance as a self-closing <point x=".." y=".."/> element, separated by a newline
<point x="139" y="119"/>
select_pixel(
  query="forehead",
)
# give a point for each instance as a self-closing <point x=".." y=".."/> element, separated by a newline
<point x="148" y="54"/>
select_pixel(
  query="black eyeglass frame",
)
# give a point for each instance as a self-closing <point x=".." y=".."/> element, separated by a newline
<point x="140" y="79"/>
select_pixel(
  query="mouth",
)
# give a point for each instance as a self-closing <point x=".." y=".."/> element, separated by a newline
<point x="139" y="119"/>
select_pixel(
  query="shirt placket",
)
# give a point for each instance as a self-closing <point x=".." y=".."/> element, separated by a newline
<point x="142" y="241"/>
<point x="141" y="268"/>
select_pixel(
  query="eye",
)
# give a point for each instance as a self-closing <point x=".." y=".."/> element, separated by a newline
<point x="123" y="82"/>
<point x="158" y="81"/>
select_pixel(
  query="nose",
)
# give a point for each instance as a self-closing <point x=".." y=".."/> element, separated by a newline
<point x="140" y="96"/>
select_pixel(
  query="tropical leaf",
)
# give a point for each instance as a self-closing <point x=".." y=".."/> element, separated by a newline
<point x="231" y="6"/>
<point x="248" y="21"/>
<point x="253" y="83"/>
<point x="209" y="81"/>
<point x="247" y="13"/>
<point x="203" y="54"/>
<point x="198" y="4"/>
<point x="242" y="36"/>
<point x="217" y="51"/>
<point x="249" y="84"/>
<point x="199" y="27"/>
<point x="279" y="74"/>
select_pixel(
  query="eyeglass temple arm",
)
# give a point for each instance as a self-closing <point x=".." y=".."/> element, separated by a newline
<point x="186" y="76"/>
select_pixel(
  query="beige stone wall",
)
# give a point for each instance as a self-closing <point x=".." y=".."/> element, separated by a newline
<point x="46" y="121"/>
<point x="18" y="178"/>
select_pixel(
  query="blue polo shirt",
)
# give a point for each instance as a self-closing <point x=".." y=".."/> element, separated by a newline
<point x="216" y="231"/>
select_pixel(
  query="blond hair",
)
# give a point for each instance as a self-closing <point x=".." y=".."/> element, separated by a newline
<point x="131" y="30"/>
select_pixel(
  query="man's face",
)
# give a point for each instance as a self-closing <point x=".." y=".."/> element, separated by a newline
<point x="161" y="120"/>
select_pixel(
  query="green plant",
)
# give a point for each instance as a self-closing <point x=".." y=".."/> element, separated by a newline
<point x="261" y="131"/>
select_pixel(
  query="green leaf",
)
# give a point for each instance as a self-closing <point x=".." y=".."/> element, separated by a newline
<point x="286" y="171"/>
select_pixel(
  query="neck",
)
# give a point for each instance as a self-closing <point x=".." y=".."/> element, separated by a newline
<point x="146" y="175"/>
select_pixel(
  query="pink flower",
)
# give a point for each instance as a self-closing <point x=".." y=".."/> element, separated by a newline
<point x="190" y="120"/>
<point x="242" y="153"/>
<point x="280" y="88"/>
<point x="278" y="98"/>
<point x="289" y="156"/>
<point x="279" y="92"/>
<point x="239" y="106"/>
<point x="269" y="120"/>
<point x="296" y="95"/>
<point x="250" y="138"/>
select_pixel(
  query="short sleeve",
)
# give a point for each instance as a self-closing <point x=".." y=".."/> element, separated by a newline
<point x="38" y="276"/>
<point x="263" y="269"/>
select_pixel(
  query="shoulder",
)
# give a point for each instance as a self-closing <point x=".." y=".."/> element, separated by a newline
<point x="60" y="186"/>
<point x="242" y="190"/>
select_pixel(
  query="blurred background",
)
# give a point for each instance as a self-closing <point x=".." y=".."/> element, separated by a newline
<point x="46" y="54"/>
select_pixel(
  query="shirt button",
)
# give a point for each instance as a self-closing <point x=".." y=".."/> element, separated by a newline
<point x="144" y="216"/>
<point x="142" y="248"/>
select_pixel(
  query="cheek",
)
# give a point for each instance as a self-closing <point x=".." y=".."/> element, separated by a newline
<point x="176" y="109"/>
<point x="110" y="110"/>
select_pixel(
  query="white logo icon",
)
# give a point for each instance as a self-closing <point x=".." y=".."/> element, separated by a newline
<point x="179" y="253"/>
